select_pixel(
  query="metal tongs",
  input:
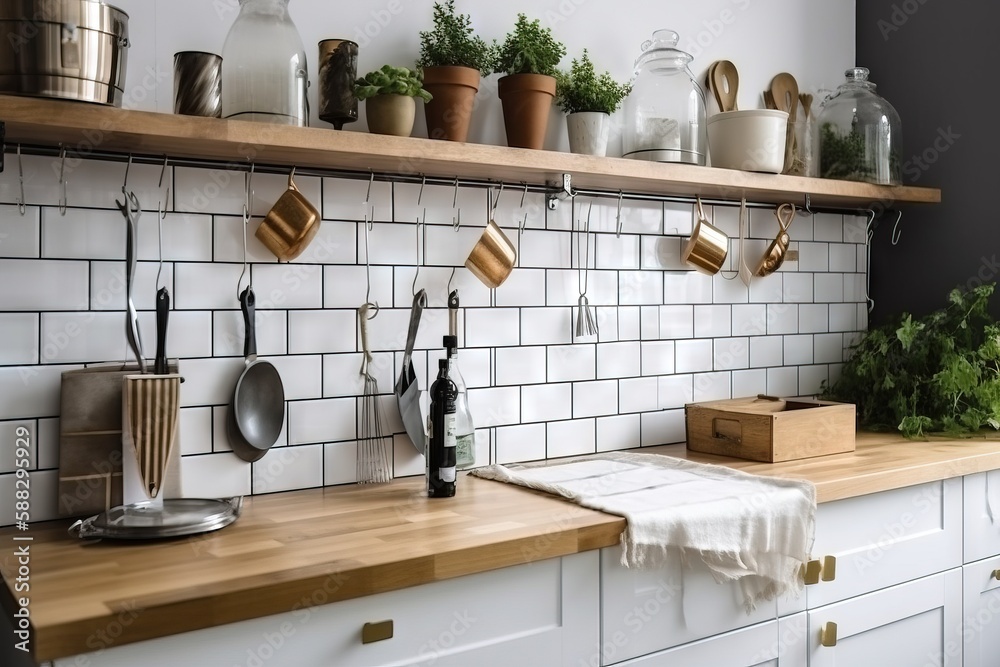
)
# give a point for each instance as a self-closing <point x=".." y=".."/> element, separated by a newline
<point x="586" y="322"/>
<point x="131" y="209"/>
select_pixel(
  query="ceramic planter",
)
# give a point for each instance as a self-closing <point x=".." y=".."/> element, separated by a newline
<point x="450" y="111"/>
<point x="390" y="114"/>
<point x="588" y="132"/>
<point x="527" y="100"/>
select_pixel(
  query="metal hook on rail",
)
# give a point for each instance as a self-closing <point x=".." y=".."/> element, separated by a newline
<point x="128" y="165"/>
<point x="496" y="202"/>
<point x="807" y="209"/>
<point x="456" y="220"/>
<point x="869" y="232"/>
<point x="524" y="220"/>
<point x="896" y="231"/>
<point x="63" y="200"/>
<point x="368" y="268"/>
<point x="416" y="274"/>
<point x="618" y="218"/>
<point x="420" y="194"/>
<point x="20" y="180"/>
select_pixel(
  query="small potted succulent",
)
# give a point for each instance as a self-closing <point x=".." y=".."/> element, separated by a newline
<point x="589" y="100"/>
<point x="389" y="93"/>
<point x="528" y="59"/>
<point x="452" y="60"/>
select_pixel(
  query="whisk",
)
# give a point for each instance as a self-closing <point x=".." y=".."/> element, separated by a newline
<point x="372" y="455"/>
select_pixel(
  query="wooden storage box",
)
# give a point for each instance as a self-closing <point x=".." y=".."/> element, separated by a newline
<point x="764" y="428"/>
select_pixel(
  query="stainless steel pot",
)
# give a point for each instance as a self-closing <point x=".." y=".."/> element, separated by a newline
<point x="71" y="49"/>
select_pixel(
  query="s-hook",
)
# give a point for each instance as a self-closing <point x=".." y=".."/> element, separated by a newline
<point x="456" y="220"/>
<point x="896" y="231"/>
<point x="63" y="201"/>
<point x="618" y="217"/>
<point x="524" y="220"/>
<point x="496" y="202"/>
<point x="128" y="165"/>
<point x="161" y="215"/>
<point x="368" y="268"/>
<point x="247" y="207"/>
<point x="416" y="273"/>
<point x="869" y="232"/>
<point x="20" y="181"/>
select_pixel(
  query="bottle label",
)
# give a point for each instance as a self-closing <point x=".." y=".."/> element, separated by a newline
<point x="449" y="430"/>
<point x="447" y="474"/>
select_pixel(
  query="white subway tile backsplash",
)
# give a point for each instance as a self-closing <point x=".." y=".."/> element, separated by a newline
<point x="814" y="256"/>
<point x="844" y="317"/>
<point x="83" y="234"/>
<point x="321" y="331"/>
<point x="689" y="287"/>
<point x="658" y="357"/>
<point x="19" y="333"/>
<point x="546" y="326"/>
<point x="211" y="286"/>
<point x="676" y="322"/>
<point x="678" y="218"/>
<point x="814" y="317"/>
<point x="607" y="322"/>
<point x="340" y="461"/>
<point x="766" y="351"/>
<point x="694" y="356"/>
<point x="639" y="288"/>
<point x="749" y="319"/>
<point x="649" y="322"/>
<point x="783" y="381"/>
<point x="389" y="243"/>
<point x="186" y="237"/>
<point x="572" y="362"/>
<point x="324" y="420"/>
<point x="798" y="350"/>
<point x="562" y="287"/>
<point x="843" y="257"/>
<point x="629" y="322"/>
<point x="85" y="336"/>
<point x="347" y="286"/>
<point x="301" y="376"/>
<point x="520" y="443"/>
<point x="43" y="285"/>
<point x="618" y="432"/>
<point x="228" y="241"/>
<point x="854" y="228"/>
<point x="768" y="290"/>
<point x="492" y="327"/>
<point x="194" y="435"/>
<point x="446" y="246"/>
<point x="345" y="198"/>
<point x="830" y="348"/>
<point x="288" y="285"/>
<point x="855" y="288"/>
<point x="30" y="391"/>
<point x="499" y="406"/>
<point x="749" y="382"/>
<point x="712" y="321"/>
<point x="520" y="365"/>
<point x="523" y="287"/>
<point x="542" y="249"/>
<point x="674" y="391"/>
<point x="591" y="399"/>
<point x="732" y="353"/>
<point x="214" y="476"/>
<point x="189" y="333"/>
<point x="19" y="235"/>
<point x="209" y="381"/>
<point x="828" y="227"/>
<point x="546" y="402"/>
<point x="712" y="386"/>
<point x="270" y="329"/>
<point x="107" y="285"/>
<point x="811" y="379"/>
<point x="342" y="373"/>
<point x="663" y="252"/>
<point x="782" y="318"/>
<point x="662" y="428"/>
<point x="829" y="287"/>
<point x="730" y="289"/>
<point x="615" y="252"/>
<point x="638" y="394"/>
<point x="571" y="438"/>
<point x="288" y="468"/>
<point x="619" y="360"/>
<point x="798" y="287"/>
<point x="411" y="200"/>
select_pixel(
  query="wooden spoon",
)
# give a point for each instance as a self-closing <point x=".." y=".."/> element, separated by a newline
<point x="785" y="93"/>
<point x="725" y="84"/>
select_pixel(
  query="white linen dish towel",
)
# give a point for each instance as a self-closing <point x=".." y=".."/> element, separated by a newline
<point x="754" y="529"/>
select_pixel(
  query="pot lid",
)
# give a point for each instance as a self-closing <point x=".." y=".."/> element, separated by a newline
<point x="151" y="520"/>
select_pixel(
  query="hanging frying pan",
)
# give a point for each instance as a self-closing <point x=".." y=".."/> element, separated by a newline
<point x="257" y="409"/>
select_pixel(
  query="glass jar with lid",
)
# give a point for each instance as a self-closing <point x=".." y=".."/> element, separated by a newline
<point x="264" y="72"/>
<point x="858" y="133"/>
<point x="665" y="112"/>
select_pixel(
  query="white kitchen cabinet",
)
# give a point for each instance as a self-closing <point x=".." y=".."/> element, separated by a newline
<point x="778" y="643"/>
<point x="886" y="538"/>
<point x="645" y="611"/>
<point x="981" y="617"/>
<point x="543" y="613"/>
<point x="913" y="624"/>
<point x="982" y="515"/>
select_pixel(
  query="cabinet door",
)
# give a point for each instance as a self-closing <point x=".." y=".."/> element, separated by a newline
<point x="886" y="538"/>
<point x="981" y="632"/>
<point x="543" y="613"/>
<point x="780" y="643"/>
<point x="912" y="624"/>
<point x="646" y="611"/>
<point x="982" y="515"/>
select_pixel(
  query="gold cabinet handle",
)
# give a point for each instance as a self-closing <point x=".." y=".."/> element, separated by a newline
<point x="995" y="575"/>
<point x="829" y="572"/>
<point x="376" y="632"/>
<point x="828" y="634"/>
<point x="811" y="572"/>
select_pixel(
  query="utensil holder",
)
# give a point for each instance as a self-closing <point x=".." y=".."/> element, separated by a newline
<point x="150" y="413"/>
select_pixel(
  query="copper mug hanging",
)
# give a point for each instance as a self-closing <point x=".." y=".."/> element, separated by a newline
<point x="775" y="254"/>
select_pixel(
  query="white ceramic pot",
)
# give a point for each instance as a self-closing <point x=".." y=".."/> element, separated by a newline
<point x="751" y="140"/>
<point x="588" y="132"/>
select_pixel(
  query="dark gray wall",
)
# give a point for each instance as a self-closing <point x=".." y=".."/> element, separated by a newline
<point x="928" y="58"/>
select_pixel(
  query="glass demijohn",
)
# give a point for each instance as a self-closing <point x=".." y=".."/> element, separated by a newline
<point x="858" y="133"/>
<point x="264" y="72"/>
<point x="665" y="112"/>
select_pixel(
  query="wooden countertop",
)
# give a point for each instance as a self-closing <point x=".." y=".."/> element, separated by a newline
<point x="344" y="542"/>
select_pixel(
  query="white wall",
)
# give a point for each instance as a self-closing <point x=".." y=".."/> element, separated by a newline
<point x="668" y="335"/>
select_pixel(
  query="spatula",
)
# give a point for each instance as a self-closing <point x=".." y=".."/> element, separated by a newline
<point x="725" y="84"/>
<point x="785" y="94"/>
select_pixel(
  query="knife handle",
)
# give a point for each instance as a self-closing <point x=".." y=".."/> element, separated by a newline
<point x="162" y="313"/>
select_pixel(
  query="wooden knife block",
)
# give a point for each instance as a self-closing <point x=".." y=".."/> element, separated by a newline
<point x="90" y="440"/>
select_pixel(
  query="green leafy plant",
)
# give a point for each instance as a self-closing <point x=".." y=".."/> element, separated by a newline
<point x="529" y="49"/>
<point x="940" y="372"/>
<point x="452" y="41"/>
<point x="581" y="89"/>
<point x="848" y="157"/>
<point x="389" y="80"/>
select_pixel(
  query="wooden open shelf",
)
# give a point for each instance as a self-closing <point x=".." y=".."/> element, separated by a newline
<point x="86" y="128"/>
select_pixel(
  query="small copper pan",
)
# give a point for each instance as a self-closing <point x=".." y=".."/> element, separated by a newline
<point x="493" y="256"/>
<point x="775" y="254"/>
<point x="290" y="224"/>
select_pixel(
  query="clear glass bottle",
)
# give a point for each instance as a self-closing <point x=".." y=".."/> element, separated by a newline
<point x="858" y="133"/>
<point x="264" y="71"/>
<point x="465" y="430"/>
<point x="665" y="112"/>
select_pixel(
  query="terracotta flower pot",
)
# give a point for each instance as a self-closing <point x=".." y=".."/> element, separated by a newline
<point x="588" y="132"/>
<point x="390" y="114"/>
<point x="450" y="111"/>
<point x="527" y="101"/>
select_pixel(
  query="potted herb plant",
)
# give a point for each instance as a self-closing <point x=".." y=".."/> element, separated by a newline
<point x="389" y="93"/>
<point x="452" y="60"/>
<point x="528" y="59"/>
<point x="589" y="100"/>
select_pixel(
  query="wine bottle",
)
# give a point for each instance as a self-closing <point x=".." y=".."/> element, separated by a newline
<point x="441" y="438"/>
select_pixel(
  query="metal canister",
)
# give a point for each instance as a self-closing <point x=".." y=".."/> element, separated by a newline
<point x="198" y="84"/>
<point x="338" y="69"/>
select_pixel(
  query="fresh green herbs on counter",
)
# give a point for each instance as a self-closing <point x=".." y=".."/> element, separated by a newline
<point x="937" y="373"/>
